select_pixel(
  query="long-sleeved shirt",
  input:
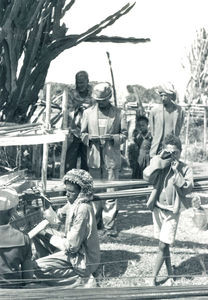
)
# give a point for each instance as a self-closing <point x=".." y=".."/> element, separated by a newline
<point x="81" y="239"/>
<point x="15" y="257"/>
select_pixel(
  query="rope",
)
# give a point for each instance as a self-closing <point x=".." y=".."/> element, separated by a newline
<point x="102" y="263"/>
<point x="193" y="275"/>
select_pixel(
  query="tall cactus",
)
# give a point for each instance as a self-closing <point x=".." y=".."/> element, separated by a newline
<point x="32" y="34"/>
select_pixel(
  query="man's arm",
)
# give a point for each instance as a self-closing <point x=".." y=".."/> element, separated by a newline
<point x="183" y="179"/>
<point x="75" y="235"/>
<point x="122" y="135"/>
<point x="182" y="120"/>
<point x="124" y="131"/>
<point x="78" y="231"/>
<point x="84" y="129"/>
<point x="27" y="269"/>
<point x="151" y="122"/>
<point x="27" y="266"/>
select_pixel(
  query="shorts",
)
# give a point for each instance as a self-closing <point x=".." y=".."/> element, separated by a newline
<point x="165" y="225"/>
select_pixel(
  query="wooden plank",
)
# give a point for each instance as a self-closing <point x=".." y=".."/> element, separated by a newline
<point x="22" y="186"/>
<point x="12" y="177"/>
<point x="130" y="293"/>
<point x="65" y="124"/>
<point x="123" y="194"/>
<point x="18" y="126"/>
<point x="58" y="186"/>
<point x="34" y="139"/>
<point x="45" y="144"/>
<point x="205" y="132"/>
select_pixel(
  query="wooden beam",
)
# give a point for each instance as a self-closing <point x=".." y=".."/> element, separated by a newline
<point x="33" y="139"/>
<point x="45" y="145"/>
<point x="194" y="292"/>
<point x="65" y="125"/>
<point x="56" y="185"/>
<point x="199" y="186"/>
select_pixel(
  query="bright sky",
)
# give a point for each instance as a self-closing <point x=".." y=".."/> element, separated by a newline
<point x="170" y="24"/>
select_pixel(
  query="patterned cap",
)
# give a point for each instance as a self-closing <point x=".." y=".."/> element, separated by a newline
<point x="81" y="178"/>
<point x="8" y="199"/>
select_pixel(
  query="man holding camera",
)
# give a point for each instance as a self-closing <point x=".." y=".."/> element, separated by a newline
<point x="172" y="180"/>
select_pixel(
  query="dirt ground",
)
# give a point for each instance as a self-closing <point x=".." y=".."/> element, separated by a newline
<point x="128" y="259"/>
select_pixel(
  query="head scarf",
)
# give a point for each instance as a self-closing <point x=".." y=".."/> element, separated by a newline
<point x="83" y="179"/>
<point x="167" y="88"/>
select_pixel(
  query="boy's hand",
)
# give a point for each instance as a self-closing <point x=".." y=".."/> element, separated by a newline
<point x="60" y="214"/>
<point x="174" y="165"/>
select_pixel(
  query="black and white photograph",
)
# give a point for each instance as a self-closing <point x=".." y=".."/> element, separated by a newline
<point x="103" y="149"/>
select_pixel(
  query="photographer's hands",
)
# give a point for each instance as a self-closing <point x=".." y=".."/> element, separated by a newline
<point x="174" y="165"/>
<point x="171" y="158"/>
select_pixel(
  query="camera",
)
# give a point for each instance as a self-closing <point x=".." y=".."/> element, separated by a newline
<point x="166" y="155"/>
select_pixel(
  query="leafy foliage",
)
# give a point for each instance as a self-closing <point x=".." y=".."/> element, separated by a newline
<point x="146" y="95"/>
<point x="198" y="61"/>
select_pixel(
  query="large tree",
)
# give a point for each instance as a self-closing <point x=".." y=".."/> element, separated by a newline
<point x="198" y="63"/>
<point x="32" y="34"/>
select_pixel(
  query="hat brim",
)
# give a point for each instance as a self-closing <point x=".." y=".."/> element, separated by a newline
<point x="102" y="99"/>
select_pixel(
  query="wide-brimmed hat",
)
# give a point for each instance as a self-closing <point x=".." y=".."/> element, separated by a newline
<point x="102" y="91"/>
<point x="8" y="199"/>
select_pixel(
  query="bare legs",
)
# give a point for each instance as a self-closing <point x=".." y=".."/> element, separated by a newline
<point x="162" y="256"/>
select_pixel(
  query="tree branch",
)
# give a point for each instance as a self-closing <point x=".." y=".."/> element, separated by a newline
<point x="71" y="41"/>
<point x="68" y="7"/>
<point x="114" y="39"/>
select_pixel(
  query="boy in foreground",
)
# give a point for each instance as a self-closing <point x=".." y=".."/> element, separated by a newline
<point x="172" y="180"/>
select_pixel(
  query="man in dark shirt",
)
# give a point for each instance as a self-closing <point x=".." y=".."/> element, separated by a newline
<point x="15" y="248"/>
<point x="79" y="99"/>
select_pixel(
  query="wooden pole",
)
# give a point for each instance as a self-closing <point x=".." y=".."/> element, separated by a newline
<point x="45" y="145"/>
<point x="37" y="149"/>
<point x="112" y="78"/>
<point x="64" y="126"/>
<point x="187" y="133"/>
<point x="205" y="129"/>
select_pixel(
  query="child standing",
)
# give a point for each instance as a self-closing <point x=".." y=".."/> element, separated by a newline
<point x="172" y="180"/>
<point x="138" y="150"/>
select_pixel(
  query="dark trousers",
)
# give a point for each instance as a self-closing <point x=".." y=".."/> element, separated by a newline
<point x="76" y="149"/>
<point x="137" y="172"/>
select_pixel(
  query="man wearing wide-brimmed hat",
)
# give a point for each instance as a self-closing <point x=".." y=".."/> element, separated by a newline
<point x="166" y="118"/>
<point x="103" y="130"/>
<point x="15" y="248"/>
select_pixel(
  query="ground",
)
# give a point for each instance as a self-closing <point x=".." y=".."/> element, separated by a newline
<point x="128" y="259"/>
